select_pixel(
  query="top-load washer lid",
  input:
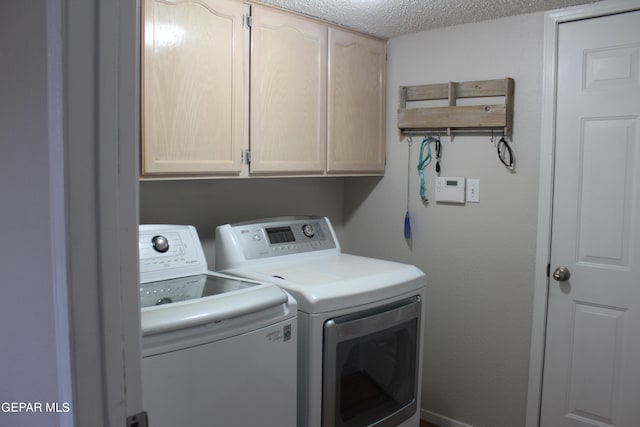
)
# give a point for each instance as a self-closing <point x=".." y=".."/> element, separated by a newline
<point x="303" y="256"/>
<point x="177" y="291"/>
<point x="184" y="302"/>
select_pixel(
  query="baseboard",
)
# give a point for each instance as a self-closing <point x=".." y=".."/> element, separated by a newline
<point x="441" y="420"/>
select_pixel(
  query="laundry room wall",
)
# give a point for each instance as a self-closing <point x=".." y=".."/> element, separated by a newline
<point x="206" y="204"/>
<point x="479" y="258"/>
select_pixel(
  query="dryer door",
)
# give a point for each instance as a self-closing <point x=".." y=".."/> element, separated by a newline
<point x="370" y="366"/>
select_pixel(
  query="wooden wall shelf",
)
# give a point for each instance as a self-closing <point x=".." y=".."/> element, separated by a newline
<point x="454" y="119"/>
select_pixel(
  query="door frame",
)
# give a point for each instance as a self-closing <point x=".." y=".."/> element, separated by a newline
<point x="93" y="88"/>
<point x="552" y="21"/>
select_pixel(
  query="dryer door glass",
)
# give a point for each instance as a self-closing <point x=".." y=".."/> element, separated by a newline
<point x="370" y="367"/>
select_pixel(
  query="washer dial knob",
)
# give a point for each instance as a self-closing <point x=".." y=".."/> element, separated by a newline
<point x="308" y="230"/>
<point x="160" y="244"/>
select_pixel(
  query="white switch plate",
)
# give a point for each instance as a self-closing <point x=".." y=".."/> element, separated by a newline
<point x="473" y="190"/>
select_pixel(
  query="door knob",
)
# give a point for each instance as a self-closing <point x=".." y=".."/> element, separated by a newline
<point x="561" y="274"/>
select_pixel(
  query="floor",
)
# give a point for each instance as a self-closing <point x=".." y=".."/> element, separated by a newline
<point x="427" y="424"/>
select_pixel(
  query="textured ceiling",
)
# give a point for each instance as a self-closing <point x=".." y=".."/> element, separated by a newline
<point x="390" y="18"/>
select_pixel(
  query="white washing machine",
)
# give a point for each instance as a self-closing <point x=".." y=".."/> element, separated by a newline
<point x="360" y="320"/>
<point x="217" y="350"/>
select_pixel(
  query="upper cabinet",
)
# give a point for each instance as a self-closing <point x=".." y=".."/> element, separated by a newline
<point x="288" y="93"/>
<point x="356" y="97"/>
<point x="311" y="102"/>
<point x="192" y="99"/>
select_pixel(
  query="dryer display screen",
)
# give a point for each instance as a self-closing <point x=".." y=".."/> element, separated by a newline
<point x="280" y="235"/>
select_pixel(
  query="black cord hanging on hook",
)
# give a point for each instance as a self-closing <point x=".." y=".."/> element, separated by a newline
<point x="505" y="154"/>
<point x="438" y="151"/>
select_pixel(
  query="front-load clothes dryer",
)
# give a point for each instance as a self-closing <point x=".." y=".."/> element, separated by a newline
<point x="360" y="319"/>
<point x="218" y="351"/>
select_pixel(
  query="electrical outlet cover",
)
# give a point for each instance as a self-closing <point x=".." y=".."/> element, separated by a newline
<point x="473" y="190"/>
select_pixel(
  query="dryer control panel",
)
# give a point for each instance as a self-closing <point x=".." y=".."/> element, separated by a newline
<point x="278" y="236"/>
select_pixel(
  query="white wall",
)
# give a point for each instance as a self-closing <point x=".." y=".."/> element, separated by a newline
<point x="29" y="371"/>
<point x="209" y="203"/>
<point x="479" y="258"/>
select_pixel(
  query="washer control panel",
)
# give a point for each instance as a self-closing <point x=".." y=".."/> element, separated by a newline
<point x="169" y="251"/>
<point x="279" y="237"/>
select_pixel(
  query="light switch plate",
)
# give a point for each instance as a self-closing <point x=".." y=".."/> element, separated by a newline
<point x="473" y="190"/>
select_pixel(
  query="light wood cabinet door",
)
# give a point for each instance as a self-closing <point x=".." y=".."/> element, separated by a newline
<point x="288" y="93"/>
<point x="356" y="103"/>
<point x="193" y="87"/>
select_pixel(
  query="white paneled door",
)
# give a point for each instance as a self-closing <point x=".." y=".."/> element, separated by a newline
<point x="592" y="351"/>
